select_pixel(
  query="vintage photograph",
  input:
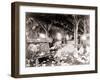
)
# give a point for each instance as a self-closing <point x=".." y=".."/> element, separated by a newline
<point x="53" y="39"/>
<point x="57" y="39"/>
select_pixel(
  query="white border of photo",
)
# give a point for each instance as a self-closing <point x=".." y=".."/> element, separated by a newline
<point x="52" y="10"/>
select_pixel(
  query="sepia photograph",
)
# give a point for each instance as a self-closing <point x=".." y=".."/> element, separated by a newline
<point x="52" y="39"/>
<point x="57" y="39"/>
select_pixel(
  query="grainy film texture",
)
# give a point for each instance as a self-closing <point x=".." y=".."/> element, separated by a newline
<point x="57" y="39"/>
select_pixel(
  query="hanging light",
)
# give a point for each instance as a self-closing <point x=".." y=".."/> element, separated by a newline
<point x="83" y="37"/>
<point x="42" y="35"/>
<point x="67" y="37"/>
<point x="59" y="36"/>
